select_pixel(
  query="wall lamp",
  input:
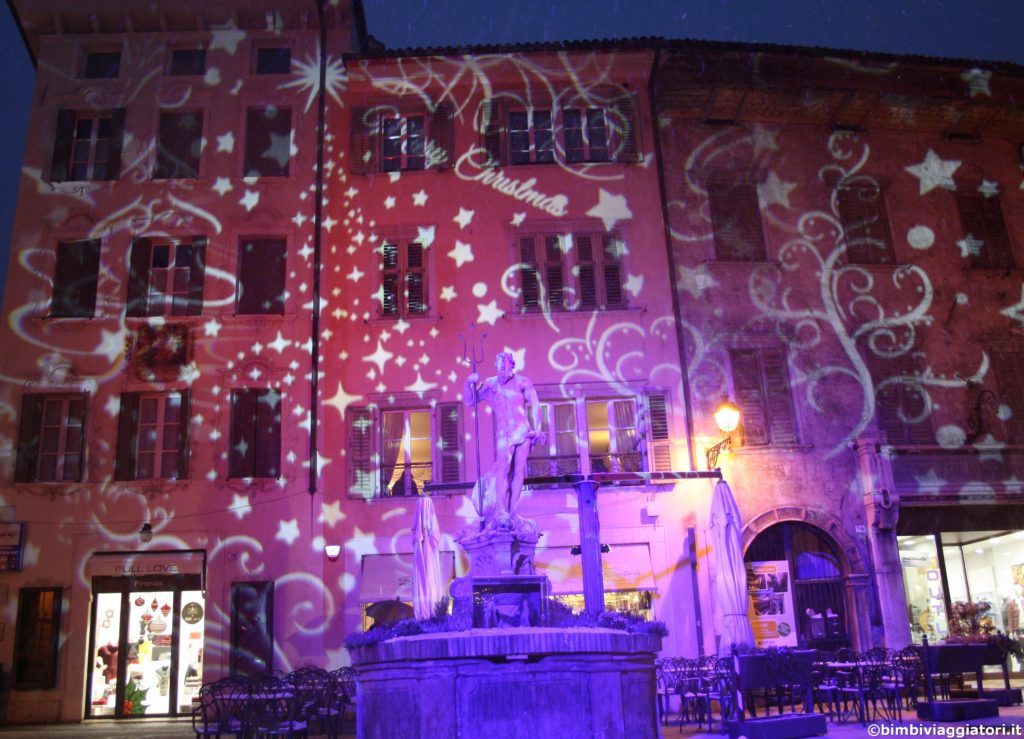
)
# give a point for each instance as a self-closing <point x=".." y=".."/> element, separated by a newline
<point x="146" y="533"/>
<point x="727" y="416"/>
<point x="333" y="551"/>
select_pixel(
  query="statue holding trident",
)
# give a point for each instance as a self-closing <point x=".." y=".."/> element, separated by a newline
<point x="516" y="419"/>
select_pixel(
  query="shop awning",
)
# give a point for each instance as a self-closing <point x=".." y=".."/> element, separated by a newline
<point x="389" y="576"/>
<point x="145" y="564"/>
<point x="625" y="567"/>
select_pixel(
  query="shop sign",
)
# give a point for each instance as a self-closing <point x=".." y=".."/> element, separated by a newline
<point x="192" y="613"/>
<point x="10" y="546"/>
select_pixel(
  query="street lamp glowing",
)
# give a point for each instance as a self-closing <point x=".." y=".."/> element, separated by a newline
<point x="727" y="415"/>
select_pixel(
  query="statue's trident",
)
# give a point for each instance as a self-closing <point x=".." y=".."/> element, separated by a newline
<point x="469" y="355"/>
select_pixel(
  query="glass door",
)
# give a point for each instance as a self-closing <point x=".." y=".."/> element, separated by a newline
<point x="151" y="637"/>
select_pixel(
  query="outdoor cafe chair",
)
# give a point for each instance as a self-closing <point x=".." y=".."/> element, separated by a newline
<point x="274" y="711"/>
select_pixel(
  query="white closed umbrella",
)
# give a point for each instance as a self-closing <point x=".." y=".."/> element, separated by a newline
<point x="427" y="587"/>
<point x="730" y="572"/>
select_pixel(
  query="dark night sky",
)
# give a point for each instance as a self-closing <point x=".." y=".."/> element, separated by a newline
<point x="969" y="29"/>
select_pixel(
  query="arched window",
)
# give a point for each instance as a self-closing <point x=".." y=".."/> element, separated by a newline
<point x="819" y="595"/>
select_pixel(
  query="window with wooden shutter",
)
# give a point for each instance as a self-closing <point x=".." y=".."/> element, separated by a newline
<point x="983" y="227"/>
<point x="152" y="442"/>
<point x="865" y="224"/>
<point x="598" y="270"/>
<point x="559" y="454"/>
<point x="75" y="278"/>
<point x="361" y="428"/>
<point x="361" y="154"/>
<point x="440" y="148"/>
<point x="493" y="130"/>
<point x="659" y="442"/>
<point x="268" y="142"/>
<point x="449" y="432"/>
<point x="624" y="130"/>
<point x="51" y="438"/>
<point x="528" y="274"/>
<point x="763" y="393"/>
<point x="166" y="277"/>
<point x="179" y="144"/>
<point x="261" y="276"/>
<point x="403" y="279"/>
<point x="255" y="434"/>
<point x="88" y="145"/>
<point x="902" y="406"/>
<point x="554" y="273"/>
<point x="1007" y="358"/>
<point x="736" y="221"/>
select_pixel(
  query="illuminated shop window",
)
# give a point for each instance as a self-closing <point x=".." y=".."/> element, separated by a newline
<point x="101" y="65"/>
<point x="387" y="139"/>
<point x="255" y="449"/>
<point x="736" y="221"/>
<point x="51" y="438"/>
<point x="261" y="274"/>
<point x="984" y="231"/>
<point x="88" y="145"/>
<point x="865" y="224"/>
<point x="272" y="60"/>
<point x="637" y="602"/>
<point x="616" y="435"/>
<point x="74" y="279"/>
<point x="403" y="287"/>
<point x="166" y="277"/>
<point x="37" y="638"/>
<point x="179" y="145"/>
<point x="761" y="381"/>
<point x="591" y="260"/>
<point x="186" y="62"/>
<point x="152" y="442"/>
<point x="396" y="451"/>
<point x="268" y="141"/>
<point x="529" y="136"/>
<point x="902" y="404"/>
<point x="600" y="128"/>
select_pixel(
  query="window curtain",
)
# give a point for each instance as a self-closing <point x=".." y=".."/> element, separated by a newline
<point x="565" y="438"/>
<point x="624" y="437"/>
<point x="394" y="430"/>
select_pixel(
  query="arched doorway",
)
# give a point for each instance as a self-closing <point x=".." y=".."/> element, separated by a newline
<point x="815" y="570"/>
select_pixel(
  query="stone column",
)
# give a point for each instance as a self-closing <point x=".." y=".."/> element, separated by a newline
<point x="590" y="545"/>
<point x="882" y="510"/>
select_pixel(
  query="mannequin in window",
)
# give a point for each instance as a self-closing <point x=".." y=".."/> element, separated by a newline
<point x="108" y="653"/>
<point x="1013" y="606"/>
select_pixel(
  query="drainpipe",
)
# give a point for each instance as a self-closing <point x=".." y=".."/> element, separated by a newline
<point x="676" y="311"/>
<point x="321" y="125"/>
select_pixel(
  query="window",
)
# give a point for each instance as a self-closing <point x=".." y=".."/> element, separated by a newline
<point x="985" y="231"/>
<point x="273" y="60"/>
<point x="187" y="62"/>
<point x="102" y="65"/>
<point x="268" y="142"/>
<point x="37" y="638"/>
<point x="736" y="221"/>
<point x="255" y="434"/>
<point x="166" y="277"/>
<point x="179" y="146"/>
<point x="593" y="260"/>
<point x="761" y="381"/>
<point x="88" y="146"/>
<point x="1007" y="357"/>
<point x="261" y="273"/>
<point x="386" y="139"/>
<point x="600" y="129"/>
<point x="152" y="439"/>
<point x="862" y="212"/>
<point x="396" y="451"/>
<point x="620" y="435"/>
<point x="902" y="405"/>
<point x="51" y="438"/>
<point x="74" y="279"/>
<point x="403" y="287"/>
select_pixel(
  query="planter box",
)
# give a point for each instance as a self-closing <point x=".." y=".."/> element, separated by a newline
<point x="957" y="710"/>
<point x="787" y="726"/>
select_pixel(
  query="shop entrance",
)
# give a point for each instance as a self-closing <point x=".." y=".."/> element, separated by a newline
<point x="146" y="638"/>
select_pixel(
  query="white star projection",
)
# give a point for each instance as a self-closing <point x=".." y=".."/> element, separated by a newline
<point x="250" y="200"/>
<point x="331" y="513"/>
<point x="420" y="198"/>
<point x="490" y="313"/>
<point x="380" y="357"/>
<point x="464" y="218"/>
<point x="227" y="37"/>
<point x="610" y="209"/>
<point x="970" y="246"/>
<point x="934" y="172"/>
<point x="1016" y="311"/>
<point x="462" y="253"/>
<point x="240" y="506"/>
<point x="308" y="78"/>
<point x="288" y="531"/>
<point x="226" y="142"/>
<point x="773" y="191"/>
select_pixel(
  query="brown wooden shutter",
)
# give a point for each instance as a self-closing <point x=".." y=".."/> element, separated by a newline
<point x="28" y="437"/>
<point x="74" y="279"/>
<point x="625" y="131"/>
<point x="267" y="442"/>
<point x="359" y="421"/>
<point x="184" y="424"/>
<point x="243" y="433"/>
<point x="138" y="277"/>
<point x="528" y="273"/>
<point x="899" y="403"/>
<point x="865" y="225"/>
<point x="127" y="437"/>
<point x="116" y="144"/>
<point x="495" y="137"/>
<point x="390" y="279"/>
<point x="79" y="453"/>
<point x="781" y="419"/>
<point x="1007" y="361"/>
<point x="736" y="220"/>
<point x="659" y="441"/>
<point x="587" y="270"/>
<point x="746" y="380"/>
<point x="441" y="137"/>
<point x="196" y="276"/>
<point x="982" y="218"/>
<point x="554" y="275"/>
<point x="60" y="169"/>
<point x="612" y="272"/>
<point x="415" y="279"/>
<point x="363" y="136"/>
<point x="450" y="434"/>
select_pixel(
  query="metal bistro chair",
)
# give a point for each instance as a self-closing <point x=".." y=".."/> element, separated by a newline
<point x="222" y="709"/>
<point x="274" y="709"/>
<point x="345" y="694"/>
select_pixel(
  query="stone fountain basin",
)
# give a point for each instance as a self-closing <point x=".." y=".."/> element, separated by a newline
<point x="531" y="683"/>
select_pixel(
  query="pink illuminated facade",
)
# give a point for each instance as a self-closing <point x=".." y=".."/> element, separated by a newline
<point x="832" y="242"/>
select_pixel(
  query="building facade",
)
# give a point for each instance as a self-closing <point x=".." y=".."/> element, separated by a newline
<point x="255" y="259"/>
